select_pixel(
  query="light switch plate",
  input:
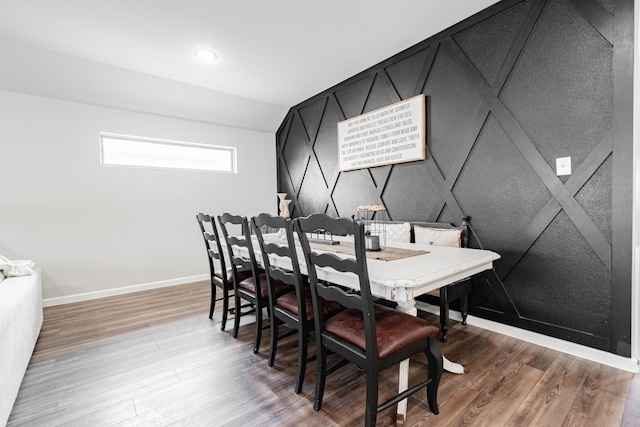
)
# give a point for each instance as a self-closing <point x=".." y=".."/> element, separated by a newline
<point x="563" y="166"/>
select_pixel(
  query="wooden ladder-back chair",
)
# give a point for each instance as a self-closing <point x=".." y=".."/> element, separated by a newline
<point x="373" y="337"/>
<point x="254" y="288"/>
<point x="293" y="308"/>
<point x="221" y="277"/>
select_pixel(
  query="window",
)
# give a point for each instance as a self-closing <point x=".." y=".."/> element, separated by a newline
<point x="133" y="151"/>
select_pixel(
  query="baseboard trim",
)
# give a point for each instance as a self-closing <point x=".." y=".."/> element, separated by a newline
<point x="599" y="356"/>
<point x="49" y="302"/>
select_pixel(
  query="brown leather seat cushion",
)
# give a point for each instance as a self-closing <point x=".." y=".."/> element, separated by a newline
<point x="394" y="329"/>
<point x="242" y="274"/>
<point x="288" y="301"/>
<point x="249" y="285"/>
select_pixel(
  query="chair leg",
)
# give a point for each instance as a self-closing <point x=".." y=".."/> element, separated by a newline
<point x="225" y="308"/>
<point x="444" y="312"/>
<point x="236" y="320"/>
<point x="464" y="307"/>
<point x="213" y="299"/>
<point x="371" y="410"/>
<point x="321" y="374"/>
<point x="303" y="340"/>
<point x="274" y="341"/>
<point x="434" y="358"/>
<point x="256" y="346"/>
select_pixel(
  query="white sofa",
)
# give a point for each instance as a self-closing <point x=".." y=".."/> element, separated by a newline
<point x="20" y="322"/>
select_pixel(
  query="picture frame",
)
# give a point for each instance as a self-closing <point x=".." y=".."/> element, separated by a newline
<point x="392" y="134"/>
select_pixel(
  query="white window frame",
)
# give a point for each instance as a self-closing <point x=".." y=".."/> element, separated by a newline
<point x="200" y="164"/>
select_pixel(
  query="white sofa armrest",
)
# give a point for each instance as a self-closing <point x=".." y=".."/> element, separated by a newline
<point x="21" y="318"/>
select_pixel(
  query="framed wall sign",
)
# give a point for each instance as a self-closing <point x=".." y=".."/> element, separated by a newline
<point x="392" y="134"/>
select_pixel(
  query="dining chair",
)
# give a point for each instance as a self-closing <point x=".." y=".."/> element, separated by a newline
<point x="254" y="288"/>
<point x="220" y="276"/>
<point x="372" y="337"/>
<point x="292" y="308"/>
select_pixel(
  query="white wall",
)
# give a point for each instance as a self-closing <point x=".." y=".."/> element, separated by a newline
<point x="93" y="228"/>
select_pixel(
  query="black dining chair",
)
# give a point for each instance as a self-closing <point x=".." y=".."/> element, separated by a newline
<point x="220" y="276"/>
<point x="292" y="308"/>
<point x="372" y="337"/>
<point x="252" y="289"/>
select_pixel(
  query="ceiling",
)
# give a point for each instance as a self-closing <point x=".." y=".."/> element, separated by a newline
<point x="272" y="55"/>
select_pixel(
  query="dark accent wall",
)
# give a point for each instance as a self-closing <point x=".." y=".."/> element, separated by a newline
<point x="508" y="91"/>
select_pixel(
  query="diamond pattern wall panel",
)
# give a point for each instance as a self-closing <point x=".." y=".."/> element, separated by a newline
<point x="496" y="164"/>
<point x="488" y="42"/>
<point x="508" y="91"/>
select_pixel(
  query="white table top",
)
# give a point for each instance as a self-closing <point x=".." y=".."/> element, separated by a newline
<point x="404" y="279"/>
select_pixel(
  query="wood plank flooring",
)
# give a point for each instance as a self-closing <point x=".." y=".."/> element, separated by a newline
<point x="153" y="358"/>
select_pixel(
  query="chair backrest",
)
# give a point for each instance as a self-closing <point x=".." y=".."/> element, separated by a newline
<point x="212" y="242"/>
<point x="357" y="265"/>
<point x="236" y="241"/>
<point x="285" y="249"/>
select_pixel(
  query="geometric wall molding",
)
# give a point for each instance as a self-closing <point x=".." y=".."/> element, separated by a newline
<point x="508" y="91"/>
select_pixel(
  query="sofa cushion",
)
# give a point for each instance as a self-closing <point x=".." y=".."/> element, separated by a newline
<point x="14" y="268"/>
<point x="393" y="232"/>
<point x="437" y="236"/>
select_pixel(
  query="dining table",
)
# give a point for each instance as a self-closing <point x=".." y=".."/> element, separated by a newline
<point x="416" y="270"/>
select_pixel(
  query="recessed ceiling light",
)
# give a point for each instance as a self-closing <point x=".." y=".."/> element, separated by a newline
<point x="205" y="55"/>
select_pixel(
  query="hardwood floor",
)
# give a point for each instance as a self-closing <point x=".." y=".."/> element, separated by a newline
<point x="154" y="358"/>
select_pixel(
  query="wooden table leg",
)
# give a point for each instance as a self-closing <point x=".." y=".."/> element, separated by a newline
<point x="409" y="307"/>
<point x="403" y="384"/>
<point x="449" y="366"/>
